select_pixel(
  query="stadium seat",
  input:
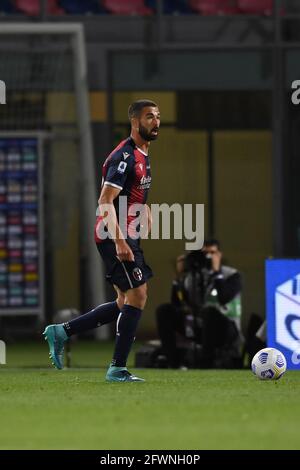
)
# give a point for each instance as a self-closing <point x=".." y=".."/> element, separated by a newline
<point x="29" y="7"/>
<point x="53" y="8"/>
<point x="256" y="7"/>
<point x="128" y="7"/>
<point x="170" y="7"/>
<point x="33" y="7"/>
<point x="81" y="7"/>
<point x="6" y="6"/>
<point x="214" y="7"/>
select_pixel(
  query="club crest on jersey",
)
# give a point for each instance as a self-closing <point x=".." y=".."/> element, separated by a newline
<point x="122" y="167"/>
<point x="137" y="274"/>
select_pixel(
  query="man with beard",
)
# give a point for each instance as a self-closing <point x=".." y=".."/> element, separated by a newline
<point x="126" y="178"/>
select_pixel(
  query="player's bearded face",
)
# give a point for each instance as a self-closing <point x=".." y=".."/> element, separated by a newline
<point x="148" y="133"/>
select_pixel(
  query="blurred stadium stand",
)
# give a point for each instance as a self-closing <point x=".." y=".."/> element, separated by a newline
<point x="33" y="7"/>
<point x="144" y="7"/>
<point x="256" y="7"/>
<point x="79" y="7"/>
<point x="129" y="7"/>
<point x="170" y="7"/>
<point x="214" y="7"/>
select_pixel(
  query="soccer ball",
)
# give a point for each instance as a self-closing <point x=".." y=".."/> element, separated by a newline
<point x="268" y="364"/>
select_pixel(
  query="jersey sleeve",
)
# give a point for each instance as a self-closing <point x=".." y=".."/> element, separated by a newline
<point x="117" y="171"/>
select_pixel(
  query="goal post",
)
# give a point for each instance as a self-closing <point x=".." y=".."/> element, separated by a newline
<point x="44" y="59"/>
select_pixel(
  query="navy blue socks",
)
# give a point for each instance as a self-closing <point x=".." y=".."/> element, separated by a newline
<point x="126" y="329"/>
<point x="105" y="313"/>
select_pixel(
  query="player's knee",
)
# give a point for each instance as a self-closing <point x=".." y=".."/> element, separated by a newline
<point x="121" y="297"/>
<point x="137" y="297"/>
<point x="139" y="300"/>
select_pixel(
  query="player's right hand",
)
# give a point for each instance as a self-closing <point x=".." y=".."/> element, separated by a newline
<point x="124" y="252"/>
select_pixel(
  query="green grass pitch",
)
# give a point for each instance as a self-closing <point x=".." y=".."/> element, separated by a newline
<point x="42" y="408"/>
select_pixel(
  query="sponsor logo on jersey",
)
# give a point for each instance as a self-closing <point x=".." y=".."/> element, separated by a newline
<point x="145" y="182"/>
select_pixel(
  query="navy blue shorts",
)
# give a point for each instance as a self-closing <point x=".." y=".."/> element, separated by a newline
<point x="126" y="274"/>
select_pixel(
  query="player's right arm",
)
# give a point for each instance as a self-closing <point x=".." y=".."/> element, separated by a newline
<point x="108" y="212"/>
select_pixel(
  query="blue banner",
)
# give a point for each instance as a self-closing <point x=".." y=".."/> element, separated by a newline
<point x="283" y="308"/>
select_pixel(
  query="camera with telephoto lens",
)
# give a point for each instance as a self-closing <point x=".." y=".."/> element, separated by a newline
<point x="197" y="260"/>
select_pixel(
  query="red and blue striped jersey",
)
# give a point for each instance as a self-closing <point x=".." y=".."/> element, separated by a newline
<point x="128" y="169"/>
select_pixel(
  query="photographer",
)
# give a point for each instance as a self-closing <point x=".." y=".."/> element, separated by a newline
<point x="213" y="290"/>
<point x="170" y="318"/>
<point x="205" y="310"/>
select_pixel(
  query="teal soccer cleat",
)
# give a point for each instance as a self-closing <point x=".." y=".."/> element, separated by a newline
<point x="121" y="374"/>
<point x="56" y="337"/>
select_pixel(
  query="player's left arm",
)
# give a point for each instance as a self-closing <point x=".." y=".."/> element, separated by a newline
<point x="108" y="213"/>
<point x="149" y="217"/>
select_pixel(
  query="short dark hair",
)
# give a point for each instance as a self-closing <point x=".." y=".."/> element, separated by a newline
<point x="211" y="242"/>
<point x="136" y="107"/>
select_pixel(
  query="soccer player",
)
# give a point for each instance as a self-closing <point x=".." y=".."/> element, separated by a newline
<point x="126" y="172"/>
